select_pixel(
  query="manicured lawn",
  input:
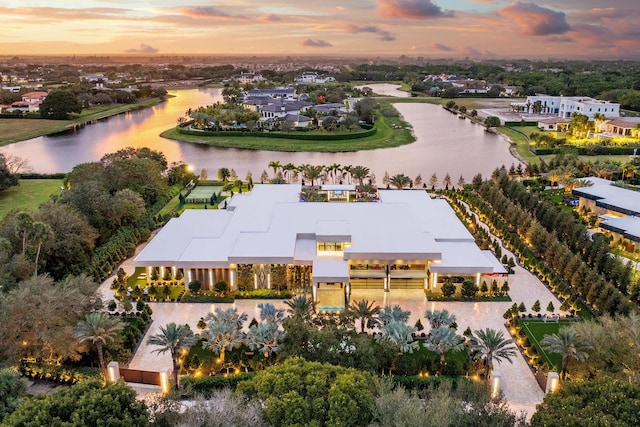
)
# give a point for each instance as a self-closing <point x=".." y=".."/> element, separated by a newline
<point x="385" y="137"/>
<point x="536" y="330"/>
<point x="15" y="130"/>
<point x="29" y="194"/>
<point x="521" y="144"/>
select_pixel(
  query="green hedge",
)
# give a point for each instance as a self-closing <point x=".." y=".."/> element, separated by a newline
<point x="264" y="294"/>
<point x="425" y="383"/>
<point x="308" y="137"/>
<point x="526" y="123"/>
<point x="42" y="175"/>
<point x="207" y="385"/>
<point x="189" y="297"/>
<point x="58" y="373"/>
<point x="590" y="150"/>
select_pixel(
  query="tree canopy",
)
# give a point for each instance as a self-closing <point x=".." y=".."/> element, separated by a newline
<point x="58" y="104"/>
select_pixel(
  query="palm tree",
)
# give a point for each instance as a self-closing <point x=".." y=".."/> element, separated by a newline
<point x="287" y="170"/>
<point x="399" y="335"/>
<point x="400" y="181"/>
<point x="346" y="173"/>
<point x="393" y="314"/>
<point x="98" y="329"/>
<point x="265" y="337"/>
<point x="39" y="233"/>
<point x="224" y="330"/>
<point x="360" y="173"/>
<point x="332" y="170"/>
<point x="569" y="344"/>
<point x="24" y="221"/>
<point x="300" y="307"/>
<point x="311" y="173"/>
<point x="364" y="311"/>
<point x="442" y="339"/>
<point x="439" y="318"/>
<point x="275" y="165"/>
<point x="270" y="314"/>
<point x="173" y="338"/>
<point x="599" y="119"/>
<point x="310" y="195"/>
<point x="489" y="344"/>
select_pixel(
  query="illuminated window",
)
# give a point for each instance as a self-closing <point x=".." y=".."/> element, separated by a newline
<point x="332" y="248"/>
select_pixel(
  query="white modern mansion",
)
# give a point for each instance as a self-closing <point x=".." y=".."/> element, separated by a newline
<point x="565" y="106"/>
<point x="270" y="238"/>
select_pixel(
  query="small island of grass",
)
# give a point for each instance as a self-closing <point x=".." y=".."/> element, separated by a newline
<point x="264" y="122"/>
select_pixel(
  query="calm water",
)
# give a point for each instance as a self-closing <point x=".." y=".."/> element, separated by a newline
<point x="444" y="144"/>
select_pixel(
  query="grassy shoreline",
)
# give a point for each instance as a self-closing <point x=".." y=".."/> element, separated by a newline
<point x="28" y="194"/>
<point x="16" y="130"/>
<point x="392" y="132"/>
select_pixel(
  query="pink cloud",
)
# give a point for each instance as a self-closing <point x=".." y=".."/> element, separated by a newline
<point x="144" y="48"/>
<point x="441" y="47"/>
<point x="209" y="12"/>
<point x="270" y="17"/>
<point x="383" y="34"/>
<point x="316" y="43"/>
<point x="534" y="20"/>
<point x="413" y="9"/>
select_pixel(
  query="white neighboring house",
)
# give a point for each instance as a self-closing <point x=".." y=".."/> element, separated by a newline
<point x="312" y="77"/>
<point x="250" y="78"/>
<point x="280" y="108"/>
<point x="565" y="106"/>
<point x="276" y="92"/>
<point x="403" y="240"/>
<point x="30" y="102"/>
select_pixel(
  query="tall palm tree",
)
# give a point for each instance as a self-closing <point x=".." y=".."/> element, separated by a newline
<point x="223" y="331"/>
<point x="24" y="221"/>
<point x="311" y="173"/>
<point x="287" y="170"/>
<point x="347" y="173"/>
<point x="332" y="170"/>
<point x="364" y="311"/>
<point x="569" y="344"/>
<point x="98" y="329"/>
<point x="300" y="307"/>
<point x="442" y="339"/>
<point x="360" y="173"/>
<point x="489" y="345"/>
<point x="275" y="165"/>
<point x="439" y="318"/>
<point x="173" y="338"/>
<point x="400" y="181"/>
<point x="39" y="233"/>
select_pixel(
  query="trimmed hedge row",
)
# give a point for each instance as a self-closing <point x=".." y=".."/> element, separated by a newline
<point x="307" y="137"/>
<point x="590" y="150"/>
<point x="263" y="294"/>
<point x="425" y="383"/>
<point x="207" y="385"/>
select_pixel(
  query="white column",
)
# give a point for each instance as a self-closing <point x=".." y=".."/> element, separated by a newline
<point x="314" y="291"/>
<point x="477" y="279"/>
<point x="211" y="279"/>
<point x="434" y="281"/>
<point x="164" y="380"/>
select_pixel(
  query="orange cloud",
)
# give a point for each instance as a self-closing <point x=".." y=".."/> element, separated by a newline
<point x="384" y="35"/>
<point x="209" y="12"/>
<point x="413" y="9"/>
<point x="534" y="20"/>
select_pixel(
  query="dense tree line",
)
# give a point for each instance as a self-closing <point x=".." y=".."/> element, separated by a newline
<point x="565" y="256"/>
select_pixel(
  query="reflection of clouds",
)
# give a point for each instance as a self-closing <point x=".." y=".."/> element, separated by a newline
<point x="444" y="144"/>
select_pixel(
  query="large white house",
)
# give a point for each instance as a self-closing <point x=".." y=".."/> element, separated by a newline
<point x="269" y="238"/>
<point x="565" y="106"/>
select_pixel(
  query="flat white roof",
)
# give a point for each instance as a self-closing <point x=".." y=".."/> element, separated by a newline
<point x="271" y="225"/>
<point x="628" y="225"/>
<point x="610" y="196"/>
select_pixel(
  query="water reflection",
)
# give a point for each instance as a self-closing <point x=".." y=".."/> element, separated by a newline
<point x="444" y="144"/>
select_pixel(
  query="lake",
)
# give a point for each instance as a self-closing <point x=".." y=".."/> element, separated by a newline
<point x="445" y="144"/>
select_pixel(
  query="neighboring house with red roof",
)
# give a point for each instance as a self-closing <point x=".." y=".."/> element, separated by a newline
<point x="30" y="102"/>
<point x="623" y="126"/>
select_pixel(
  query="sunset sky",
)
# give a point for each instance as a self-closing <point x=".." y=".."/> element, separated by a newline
<point x="432" y="28"/>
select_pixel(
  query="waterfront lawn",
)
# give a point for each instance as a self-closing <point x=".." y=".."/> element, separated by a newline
<point x="522" y="145"/>
<point x="392" y="132"/>
<point x="15" y="130"/>
<point x="29" y="194"/>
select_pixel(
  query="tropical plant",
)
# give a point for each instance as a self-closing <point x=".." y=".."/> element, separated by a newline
<point x="98" y="329"/>
<point x="265" y="337"/>
<point x="400" y="181"/>
<point x="300" y="307"/>
<point x="39" y="233"/>
<point x="311" y="173"/>
<point x="393" y="314"/>
<point x="569" y="344"/>
<point x="489" y="345"/>
<point x="360" y="173"/>
<point x="439" y="318"/>
<point x="223" y="331"/>
<point x="442" y="339"/>
<point x="364" y="311"/>
<point x="399" y="335"/>
<point x="173" y="338"/>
